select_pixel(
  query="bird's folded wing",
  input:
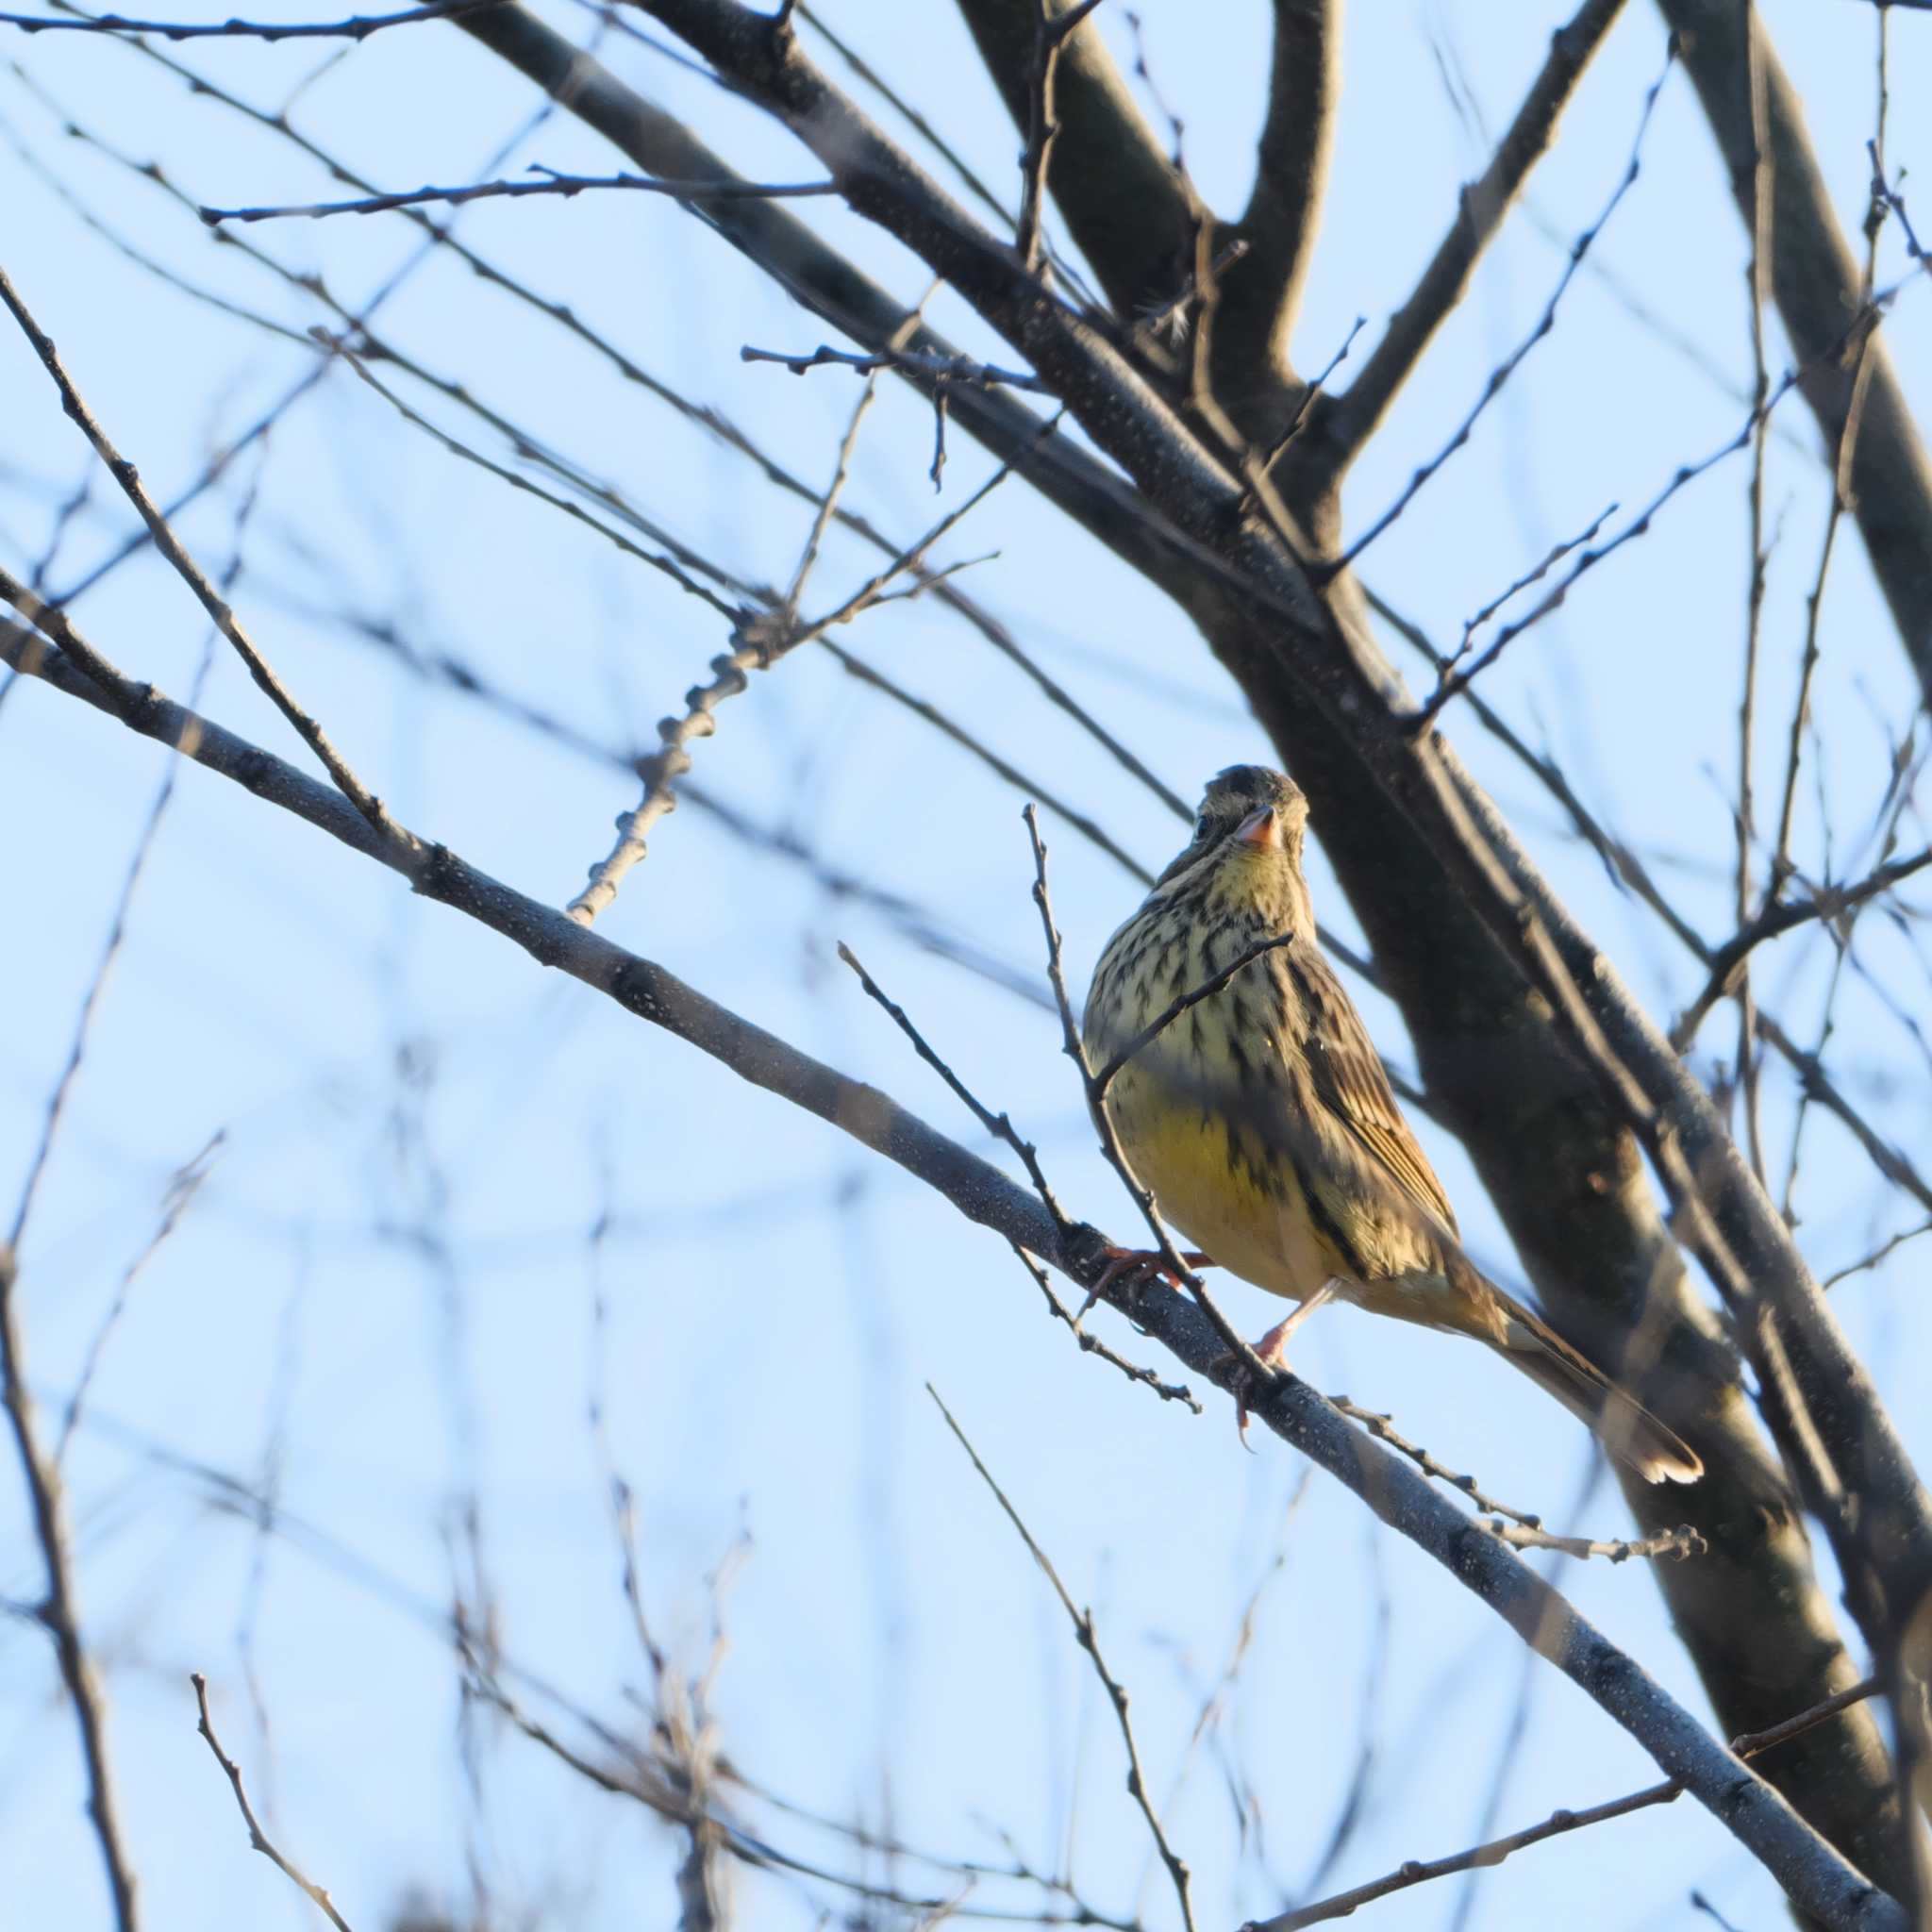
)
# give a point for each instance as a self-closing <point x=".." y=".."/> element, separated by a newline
<point x="1349" y="1082"/>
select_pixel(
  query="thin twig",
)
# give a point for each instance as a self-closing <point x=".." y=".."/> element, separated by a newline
<point x="1757" y="279"/>
<point x="1480" y="210"/>
<point x="257" y="1837"/>
<point x="565" y="186"/>
<point x="210" y="599"/>
<point x="959" y="369"/>
<point x="1829" y="904"/>
<point x="1050" y="34"/>
<point x="1092" y="1344"/>
<point x="58" y="1610"/>
<point x="356" y="27"/>
<point x="1877" y="1253"/>
<point x="1416" y="1872"/>
<point x="829" y="503"/>
<point x="1255" y="470"/>
<point x="999" y="1125"/>
<point x="1089" y="1642"/>
<point x="1451" y="664"/>
<point x="1517" y="1527"/>
<point x="1175" y="1007"/>
<point x="1506" y="368"/>
<point x="186" y="1182"/>
<point x="763" y="638"/>
<point x="1863" y="365"/>
<point x="1261" y="1376"/>
<point x="676" y="562"/>
<point x="1685" y="474"/>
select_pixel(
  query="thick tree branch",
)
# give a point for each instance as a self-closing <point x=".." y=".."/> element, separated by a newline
<point x="1580" y="1209"/>
<point x="1127" y="209"/>
<point x="1818" y="285"/>
<point x="1885" y="1545"/>
<point x="1813" y="1875"/>
<point x="1356" y="414"/>
<point x="1260" y="298"/>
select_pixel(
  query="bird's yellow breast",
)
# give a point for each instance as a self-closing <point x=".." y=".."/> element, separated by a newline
<point x="1224" y="1192"/>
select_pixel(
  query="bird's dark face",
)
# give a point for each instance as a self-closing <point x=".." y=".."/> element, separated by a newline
<point x="1247" y="812"/>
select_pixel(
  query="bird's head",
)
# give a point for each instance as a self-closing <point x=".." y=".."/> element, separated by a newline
<point x="1247" y="812"/>
<point x="1247" y="842"/>
<point x="1258" y="810"/>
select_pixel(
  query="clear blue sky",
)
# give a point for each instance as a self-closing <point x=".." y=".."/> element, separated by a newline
<point x="383" y="1296"/>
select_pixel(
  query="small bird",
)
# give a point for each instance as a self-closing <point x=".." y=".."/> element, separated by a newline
<point x="1264" y="1124"/>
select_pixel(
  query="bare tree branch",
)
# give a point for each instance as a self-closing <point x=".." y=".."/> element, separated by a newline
<point x="1827" y="905"/>
<point x="1479" y="1858"/>
<point x="1261" y="299"/>
<point x="1517" y="1527"/>
<point x="1728" y="1221"/>
<point x="1129" y="213"/>
<point x="125" y="474"/>
<point x="355" y="28"/>
<point x="58" y="1610"/>
<point x="1089" y="1640"/>
<point x="1816" y="283"/>
<point x="1584" y="1221"/>
<point x="551" y="183"/>
<point x="257" y="1838"/>
<point x="1812" y="1871"/>
<point x="1483" y="206"/>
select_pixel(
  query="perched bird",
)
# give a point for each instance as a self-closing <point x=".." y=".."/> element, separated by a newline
<point x="1262" y="1121"/>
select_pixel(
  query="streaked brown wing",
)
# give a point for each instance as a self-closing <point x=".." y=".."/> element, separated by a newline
<point x="1349" y="1081"/>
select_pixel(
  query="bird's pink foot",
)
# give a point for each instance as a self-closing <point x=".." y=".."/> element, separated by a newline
<point x="1143" y="1261"/>
<point x="1271" y="1351"/>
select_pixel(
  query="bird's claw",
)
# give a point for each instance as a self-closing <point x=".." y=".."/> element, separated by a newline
<point x="1243" y="1385"/>
<point x="1272" y="1352"/>
<point x="1136" y="1264"/>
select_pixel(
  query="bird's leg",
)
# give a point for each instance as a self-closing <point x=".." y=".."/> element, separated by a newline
<point x="1273" y="1347"/>
<point x="1273" y="1350"/>
<point x="1122" y="1261"/>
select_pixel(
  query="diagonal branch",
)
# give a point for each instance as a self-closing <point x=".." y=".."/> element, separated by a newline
<point x="1089" y="1640"/>
<point x="1817" y="283"/>
<point x="1582" y="1213"/>
<point x="211" y="600"/>
<point x="1827" y="905"/>
<point x="547" y="183"/>
<point x="1260" y="298"/>
<point x="1131" y="214"/>
<point x="1792" y="1338"/>
<point x="58" y="1612"/>
<point x="1544" y="325"/>
<point x="257" y="1838"/>
<point x="355" y="28"/>
<point x="1812" y="1873"/>
<point x="1484" y="204"/>
<point x="1479" y="1858"/>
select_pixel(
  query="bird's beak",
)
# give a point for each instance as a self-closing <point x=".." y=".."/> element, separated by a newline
<point x="1260" y="830"/>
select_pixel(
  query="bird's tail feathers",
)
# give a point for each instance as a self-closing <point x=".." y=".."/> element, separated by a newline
<point x="1621" y="1424"/>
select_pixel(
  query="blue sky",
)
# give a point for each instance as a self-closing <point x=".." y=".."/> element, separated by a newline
<point x="381" y="1303"/>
